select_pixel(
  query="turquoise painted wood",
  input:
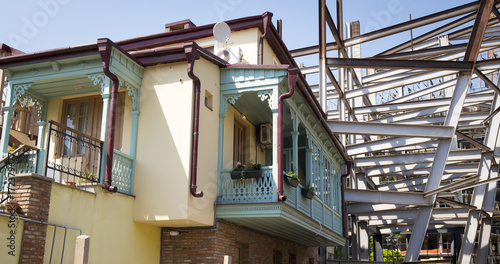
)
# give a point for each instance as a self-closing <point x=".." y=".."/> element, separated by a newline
<point x="242" y="78"/>
<point x="261" y="190"/>
<point x="123" y="172"/>
<point x="322" y="160"/>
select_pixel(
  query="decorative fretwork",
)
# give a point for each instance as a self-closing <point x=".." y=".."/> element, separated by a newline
<point x="132" y="91"/>
<point x="229" y="99"/>
<point x="261" y="190"/>
<point x="98" y="78"/>
<point x="19" y="91"/>
<point x="268" y="94"/>
<point x="123" y="172"/>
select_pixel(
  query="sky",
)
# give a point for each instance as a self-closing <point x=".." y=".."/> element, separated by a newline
<point x="35" y="25"/>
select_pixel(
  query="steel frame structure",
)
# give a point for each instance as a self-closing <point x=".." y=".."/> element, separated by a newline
<point x="406" y="115"/>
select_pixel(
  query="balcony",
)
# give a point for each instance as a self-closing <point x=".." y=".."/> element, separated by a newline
<point x="254" y="203"/>
<point x="70" y="86"/>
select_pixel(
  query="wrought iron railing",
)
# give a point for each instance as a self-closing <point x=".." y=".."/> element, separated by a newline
<point x="72" y="157"/>
<point x="123" y="172"/>
<point x="21" y="160"/>
<point x="237" y="191"/>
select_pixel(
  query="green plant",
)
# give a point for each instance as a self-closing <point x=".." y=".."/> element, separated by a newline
<point x="293" y="175"/>
<point x="89" y="175"/>
<point x="309" y="187"/>
<point x="390" y="255"/>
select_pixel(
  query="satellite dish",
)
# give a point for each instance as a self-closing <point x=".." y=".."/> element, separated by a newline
<point x="222" y="32"/>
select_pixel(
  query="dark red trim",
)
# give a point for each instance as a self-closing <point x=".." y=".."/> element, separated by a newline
<point x="192" y="55"/>
<point x="292" y="79"/>
<point x="169" y="55"/>
<point x="189" y="34"/>
<point x="10" y="50"/>
<point x="266" y="21"/>
<point x="105" y="46"/>
<point x="48" y="55"/>
<point x="344" y="205"/>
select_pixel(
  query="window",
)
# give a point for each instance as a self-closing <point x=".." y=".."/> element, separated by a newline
<point x="238" y="143"/>
<point x="85" y="115"/>
<point x="77" y="115"/>
<point x="241" y="253"/>
<point x="208" y="100"/>
<point x="277" y="257"/>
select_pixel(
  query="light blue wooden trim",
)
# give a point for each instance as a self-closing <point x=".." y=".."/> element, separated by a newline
<point x="220" y="151"/>
<point x="124" y="67"/>
<point x="275" y="98"/>
<point x="7" y="118"/>
<point x="105" y="84"/>
<point x="40" y="72"/>
<point x="40" y="165"/>
<point x="133" y="140"/>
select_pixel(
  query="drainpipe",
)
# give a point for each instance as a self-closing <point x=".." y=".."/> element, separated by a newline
<point x="192" y="55"/>
<point x="266" y="21"/>
<point x="292" y="79"/>
<point x="105" y="51"/>
<point x="342" y="188"/>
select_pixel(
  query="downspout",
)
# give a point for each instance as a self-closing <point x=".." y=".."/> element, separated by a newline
<point x="192" y="55"/>
<point x="342" y="189"/>
<point x="292" y="79"/>
<point x="266" y="21"/>
<point x="105" y="51"/>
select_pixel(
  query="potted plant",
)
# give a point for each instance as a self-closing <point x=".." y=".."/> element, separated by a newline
<point x="292" y="179"/>
<point x="89" y="176"/>
<point x="308" y="191"/>
<point x="241" y="171"/>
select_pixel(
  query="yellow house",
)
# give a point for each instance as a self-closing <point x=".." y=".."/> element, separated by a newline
<point x="173" y="147"/>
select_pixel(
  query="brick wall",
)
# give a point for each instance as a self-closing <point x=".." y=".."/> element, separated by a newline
<point x="32" y="193"/>
<point x="210" y="246"/>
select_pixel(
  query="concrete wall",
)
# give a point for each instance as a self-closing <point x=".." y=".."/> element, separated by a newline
<point x="108" y="219"/>
<point x="11" y="233"/>
<point x="162" y="175"/>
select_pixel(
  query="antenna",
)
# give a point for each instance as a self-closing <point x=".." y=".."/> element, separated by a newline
<point x="222" y="32"/>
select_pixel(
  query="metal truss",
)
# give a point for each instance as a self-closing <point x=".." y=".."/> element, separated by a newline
<point x="421" y="124"/>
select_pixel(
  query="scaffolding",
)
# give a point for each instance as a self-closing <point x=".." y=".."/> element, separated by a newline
<point x="420" y="122"/>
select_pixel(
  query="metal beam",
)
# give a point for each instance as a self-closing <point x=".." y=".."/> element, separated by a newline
<point x="437" y="169"/>
<point x="456" y="155"/>
<point x="373" y="196"/>
<point x="362" y="128"/>
<point x="398" y="64"/>
<point x="384" y="144"/>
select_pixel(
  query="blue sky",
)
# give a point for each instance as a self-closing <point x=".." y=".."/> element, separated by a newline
<point x="34" y="25"/>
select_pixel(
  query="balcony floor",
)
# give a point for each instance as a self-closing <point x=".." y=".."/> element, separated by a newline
<point x="280" y="220"/>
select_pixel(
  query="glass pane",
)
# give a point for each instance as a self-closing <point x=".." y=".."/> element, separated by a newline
<point x="71" y="112"/>
<point x="68" y="140"/>
<point x="84" y="108"/>
<point x="82" y="127"/>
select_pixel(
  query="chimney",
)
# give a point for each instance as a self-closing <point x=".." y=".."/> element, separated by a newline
<point x="183" y="24"/>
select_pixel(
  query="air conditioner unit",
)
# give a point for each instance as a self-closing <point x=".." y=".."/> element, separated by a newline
<point x="232" y="55"/>
<point x="266" y="134"/>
